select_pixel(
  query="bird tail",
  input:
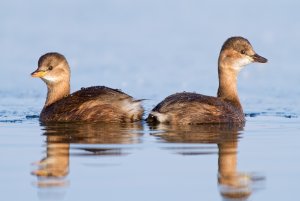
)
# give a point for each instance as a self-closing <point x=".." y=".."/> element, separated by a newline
<point x="156" y="117"/>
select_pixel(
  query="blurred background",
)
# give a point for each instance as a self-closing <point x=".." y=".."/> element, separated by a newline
<point x="149" y="48"/>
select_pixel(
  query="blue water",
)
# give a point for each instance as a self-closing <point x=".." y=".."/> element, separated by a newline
<point x="150" y="49"/>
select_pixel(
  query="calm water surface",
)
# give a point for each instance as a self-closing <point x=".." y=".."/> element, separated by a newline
<point x="257" y="161"/>
<point x="150" y="49"/>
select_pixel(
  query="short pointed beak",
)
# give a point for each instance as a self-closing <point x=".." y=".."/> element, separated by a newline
<point x="259" y="59"/>
<point x="38" y="73"/>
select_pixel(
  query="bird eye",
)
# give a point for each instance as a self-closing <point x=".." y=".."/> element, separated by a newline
<point x="243" y="52"/>
<point x="50" y="67"/>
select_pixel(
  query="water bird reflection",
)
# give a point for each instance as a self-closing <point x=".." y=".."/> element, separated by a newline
<point x="233" y="184"/>
<point x="87" y="140"/>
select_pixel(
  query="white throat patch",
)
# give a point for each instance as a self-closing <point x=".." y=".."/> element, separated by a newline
<point x="240" y="63"/>
<point x="48" y="78"/>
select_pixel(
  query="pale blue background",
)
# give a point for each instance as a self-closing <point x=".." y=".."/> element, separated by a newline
<point x="143" y="46"/>
<point x="151" y="49"/>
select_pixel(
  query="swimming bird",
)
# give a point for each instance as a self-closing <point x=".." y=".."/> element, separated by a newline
<point x="193" y="108"/>
<point x="96" y="104"/>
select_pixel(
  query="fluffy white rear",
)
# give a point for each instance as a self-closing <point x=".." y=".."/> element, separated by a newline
<point x="134" y="108"/>
<point x="160" y="117"/>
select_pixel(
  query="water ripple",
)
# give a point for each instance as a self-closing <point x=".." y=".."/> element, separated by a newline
<point x="272" y="114"/>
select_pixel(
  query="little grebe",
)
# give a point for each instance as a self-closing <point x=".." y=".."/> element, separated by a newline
<point x="193" y="108"/>
<point x="97" y="104"/>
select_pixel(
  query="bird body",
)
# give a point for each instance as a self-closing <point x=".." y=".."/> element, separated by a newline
<point x="193" y="108"/>
<point x="101" y="104"/>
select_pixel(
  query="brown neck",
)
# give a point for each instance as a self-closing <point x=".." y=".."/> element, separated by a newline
<point x="57" y="92"/>
<point x="228" y="82"/>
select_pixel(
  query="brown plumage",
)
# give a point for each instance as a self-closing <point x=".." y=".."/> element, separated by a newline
<point x="93" y="104"/>
<point x="97" y="104"/>
<point x="193" y="108"/>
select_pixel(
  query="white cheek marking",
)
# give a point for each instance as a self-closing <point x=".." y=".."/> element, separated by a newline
<point x="240" y="63"/>
<point x="50" y="78"/>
